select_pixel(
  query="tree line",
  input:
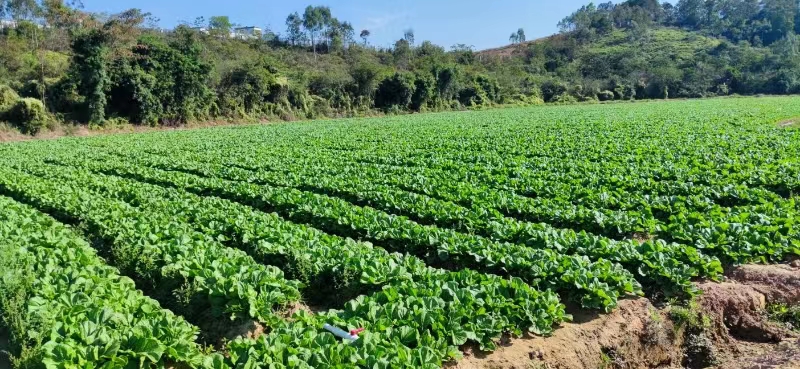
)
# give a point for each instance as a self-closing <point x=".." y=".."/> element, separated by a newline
<point x="62" y="64"/>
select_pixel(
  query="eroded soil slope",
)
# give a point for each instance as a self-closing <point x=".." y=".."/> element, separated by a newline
<point x="725" y="327"/>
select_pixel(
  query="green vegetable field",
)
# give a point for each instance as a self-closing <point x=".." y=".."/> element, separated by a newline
<point x="429" y="231"/>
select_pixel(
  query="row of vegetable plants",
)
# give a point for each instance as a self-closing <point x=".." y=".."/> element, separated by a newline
<point x="596" y="284"/>
<point x="63" y="307"/>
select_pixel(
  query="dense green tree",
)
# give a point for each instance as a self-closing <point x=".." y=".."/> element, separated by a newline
<point x="691" y="13"/>
<point x="366" y="76"/>
<point x="446" y="82"/>
<point x="396" y="91"/>
<point x="402" y="52"/>
<point x="780" y="14"/>
<point x="424" y="88"/>
<point x="220" y="25"/>
<point x="669" y="14"/>
<point x="90" y="72"/>
<point x="797" y="19"/>
<point x="463" y="54"/>
<point x="348" y="33"/>
<point x="166" y="83"/>
<point x="315" y="19"/>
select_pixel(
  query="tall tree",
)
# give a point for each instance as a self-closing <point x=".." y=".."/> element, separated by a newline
<point x="521" y="35"/>
<point x="348" y="33"/>
<point x="365" y="35"/>
<point x="94" y="47"/>
<point x="780" y="14"/>
<point x="22" y="10"/>
<point x="797" y="19"/>
<point x="408" y="35"/>
<point x="581" y="19"/>
<point x="30" y="11"/>
<point x="333" y="32"/>
<point x="670" y="13"/>
<point x="691" y="13"/>
<point x="294" y="24"/>
<point x="315" y="19"/>
<point x="733" y="18"/>
<point x="89" y="70"/>
<point x="402" y="52"/>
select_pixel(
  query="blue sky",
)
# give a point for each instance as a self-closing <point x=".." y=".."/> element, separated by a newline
<point x="483" y="24"/>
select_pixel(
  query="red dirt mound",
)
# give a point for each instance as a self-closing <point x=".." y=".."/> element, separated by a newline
<point x="730" y="331"/>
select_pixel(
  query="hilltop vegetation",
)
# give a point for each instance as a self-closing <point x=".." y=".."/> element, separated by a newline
<point x="61" y="64"/>
<point x="644" y="49"/>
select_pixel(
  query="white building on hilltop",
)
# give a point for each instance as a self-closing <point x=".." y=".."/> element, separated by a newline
<point x="5" y="23"/>
<point x="246" y="33"/>
<point x="203" y="30"/>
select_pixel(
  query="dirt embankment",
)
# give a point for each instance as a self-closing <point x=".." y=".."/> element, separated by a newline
<point x="726" y="327"/>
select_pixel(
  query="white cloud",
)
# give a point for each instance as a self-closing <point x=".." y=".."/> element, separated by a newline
<point x="380" y="22"/>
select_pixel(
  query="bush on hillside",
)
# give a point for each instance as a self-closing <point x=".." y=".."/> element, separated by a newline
<point x="605" y="95"/>
<point x="564" y="98"/>
<point x="396" y="90"/>
<point x="28" y="115"/>
<point x="8" y="97"/>
<point x="551" y="90"/>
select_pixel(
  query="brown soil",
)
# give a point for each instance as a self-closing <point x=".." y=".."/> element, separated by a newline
<point x="789" y="122"/>
<point x="11" y="135"/>
<point x="642" y="237"/>
<point x="301" y="306"/>
<point x="216" y="332"/>
<point x="778" y="283"/>
<point x="736" y="313"/>
<point x="636" y="334"/>
<point x="785" y="355"/>
<point x="509" y="50"/>
<point x="733" y="332"/>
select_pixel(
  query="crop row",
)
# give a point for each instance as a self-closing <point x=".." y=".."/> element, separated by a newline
<point x="63" y="307"/>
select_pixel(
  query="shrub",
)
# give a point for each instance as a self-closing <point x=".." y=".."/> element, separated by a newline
<point x="564" y="98"/>
<point x="552" y="90"/>
<point x="397" y="89"/>
<point x="423" y="92"/>
<point x="788" y="315"/>
<point x="605" y="95"/>
<point x="8" y="97"/>
<point x="63" y="97"/>
<point x="28" y="115"/>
